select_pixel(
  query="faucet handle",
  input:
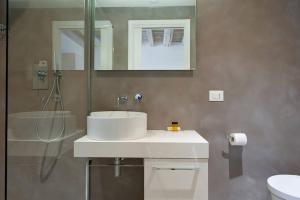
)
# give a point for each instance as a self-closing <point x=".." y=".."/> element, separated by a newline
<point x="138" y="98"/>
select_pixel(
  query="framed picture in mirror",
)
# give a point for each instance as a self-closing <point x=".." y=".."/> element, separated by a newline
<point x="68" y="45"/>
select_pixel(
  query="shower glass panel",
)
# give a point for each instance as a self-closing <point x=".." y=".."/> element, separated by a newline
<point x="46" y="110"/>
<point x="106" y="87"/>
<point x="2" y="94"/>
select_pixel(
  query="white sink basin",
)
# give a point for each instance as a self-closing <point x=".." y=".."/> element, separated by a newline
<point x="116" y="125"/>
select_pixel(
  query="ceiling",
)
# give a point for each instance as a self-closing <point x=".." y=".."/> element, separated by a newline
<point x="99" y="3"/>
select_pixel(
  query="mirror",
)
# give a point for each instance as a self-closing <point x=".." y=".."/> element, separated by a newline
<point x="132" y="35"/>
<point x="151" y="34"/>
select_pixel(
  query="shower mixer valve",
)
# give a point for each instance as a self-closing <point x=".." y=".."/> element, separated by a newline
<point x="42" y="74"/>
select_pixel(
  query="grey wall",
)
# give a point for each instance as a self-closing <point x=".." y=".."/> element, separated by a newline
<point x="251" y="50"/>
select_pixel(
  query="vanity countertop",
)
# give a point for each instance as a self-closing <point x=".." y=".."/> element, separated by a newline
<point x="156" y="144"/>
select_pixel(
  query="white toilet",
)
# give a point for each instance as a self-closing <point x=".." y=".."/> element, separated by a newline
<point x="284" y="187"/>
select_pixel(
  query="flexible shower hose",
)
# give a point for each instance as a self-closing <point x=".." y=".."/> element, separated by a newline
<point x="57" y="98"/>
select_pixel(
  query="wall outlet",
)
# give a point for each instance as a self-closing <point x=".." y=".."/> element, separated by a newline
<point x="216" y="95"/>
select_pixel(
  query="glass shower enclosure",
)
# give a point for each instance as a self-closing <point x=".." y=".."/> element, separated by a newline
<point x="46" y="111"/>
<point x="57" y="50"/>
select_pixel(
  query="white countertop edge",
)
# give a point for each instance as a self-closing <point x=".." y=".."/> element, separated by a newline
<point x="157" y="144"/>
<point x="156" y="136"/>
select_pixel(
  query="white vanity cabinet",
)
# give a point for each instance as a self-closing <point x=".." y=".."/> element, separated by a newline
<point x="175" y="163"/>
<point x="180" y="179"/>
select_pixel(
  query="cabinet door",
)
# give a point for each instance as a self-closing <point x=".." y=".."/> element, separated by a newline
<point x="176" y="179"/>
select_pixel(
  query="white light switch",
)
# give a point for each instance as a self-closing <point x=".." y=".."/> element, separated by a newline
<point x="216" y="95"/>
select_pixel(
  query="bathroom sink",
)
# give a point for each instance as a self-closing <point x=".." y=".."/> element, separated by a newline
<point x="116" y="125"/>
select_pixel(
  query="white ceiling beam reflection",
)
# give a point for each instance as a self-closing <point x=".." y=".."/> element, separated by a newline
<point x="168" y="36"/>
<point x="75" y="35"/>
<point x="150" y="37"/>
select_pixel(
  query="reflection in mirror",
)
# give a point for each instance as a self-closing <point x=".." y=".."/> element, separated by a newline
<point x="68" y="45"/>
<point x="162" y="48"/>
<point x="71" y="49"/>
<point x="159" y="45"/>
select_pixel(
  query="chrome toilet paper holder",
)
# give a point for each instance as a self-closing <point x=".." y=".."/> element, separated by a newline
<point x="235" y="158"/>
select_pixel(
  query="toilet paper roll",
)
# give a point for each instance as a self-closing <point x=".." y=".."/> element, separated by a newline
<point x="238" y="139"/>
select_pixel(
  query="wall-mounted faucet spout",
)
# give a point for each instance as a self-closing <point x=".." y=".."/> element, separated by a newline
<point x="122" y="100"/>
<point x="117" y="164"/>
